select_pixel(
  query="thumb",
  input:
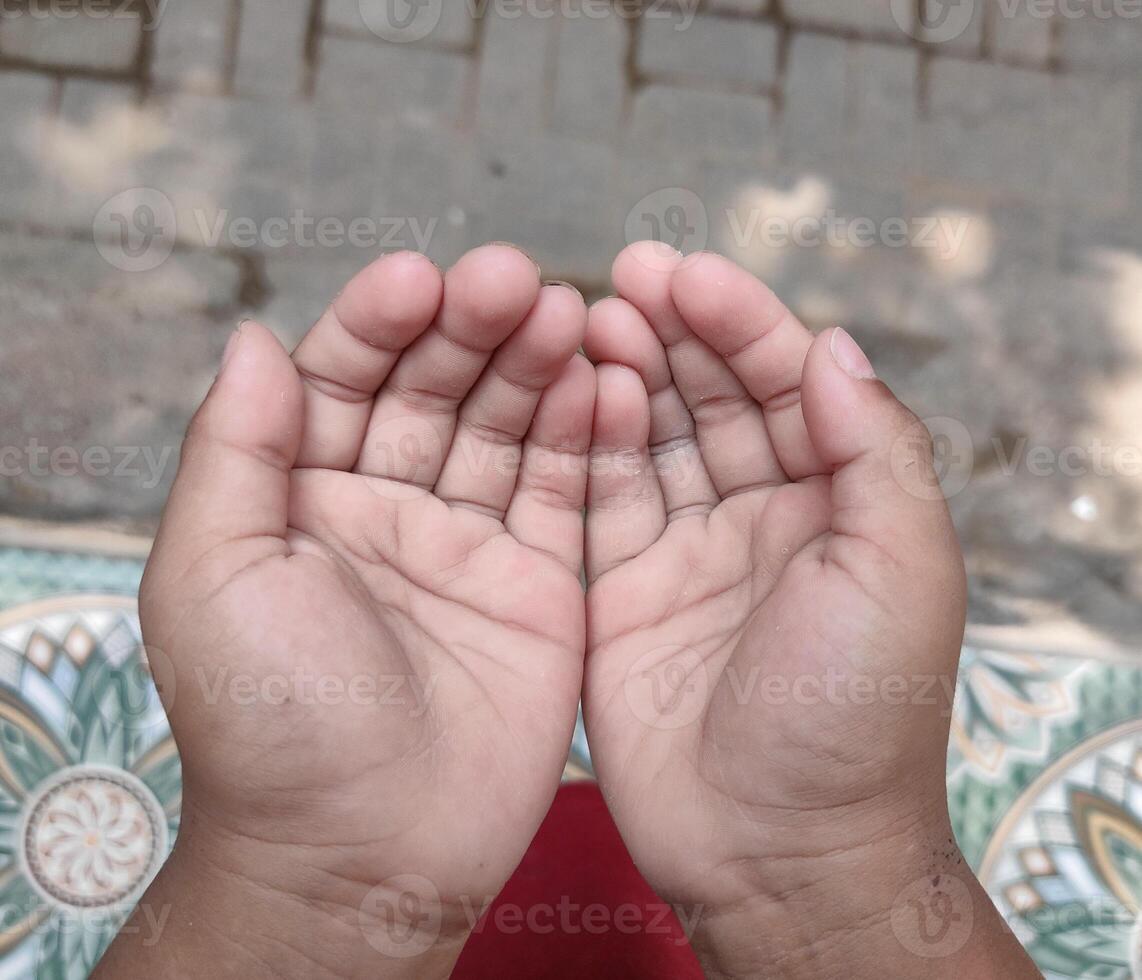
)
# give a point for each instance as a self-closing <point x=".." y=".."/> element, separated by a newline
<point x="885" y="490"/>
<point x="232" y="486"/>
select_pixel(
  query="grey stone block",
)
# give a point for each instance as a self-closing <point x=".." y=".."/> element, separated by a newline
<point x="1092" y="165"/>
<point x="552" y="196"/>
<point x="850" y="107"/>
<point x="1022" y="33"/>
<point x="105" y="360"/>
<point x="341" y="170"/>
<point x="882" y="120"/>
<point x="271" y="47"/>
<point x="25" y="100"/>
<point x="1108" y="45"/>
<point x="700" y="124"/>
<point x="988" y="126"/>
<point x="590" y="77"/>
<point x="730" y="52"/>
<point x="430" y="191"/>
<point x="93" y="150"/>
<point x="513" y="84"/>
<point x="863" y="16"/>
<point x="190" y="44"/>
<point x="393" y="81"/>
<point x="38" y="34"/>
<point x="229" y="164"/>
<point x="814" y="117"/>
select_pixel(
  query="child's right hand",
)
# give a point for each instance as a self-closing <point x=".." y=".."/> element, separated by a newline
<point x="775" y="610"/>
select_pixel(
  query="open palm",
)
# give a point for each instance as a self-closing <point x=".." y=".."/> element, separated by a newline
<point x="775" y="592"/>
<point x="367" y="582"/>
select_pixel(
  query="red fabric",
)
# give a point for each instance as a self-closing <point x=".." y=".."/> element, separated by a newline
<point x="591" y="913"/>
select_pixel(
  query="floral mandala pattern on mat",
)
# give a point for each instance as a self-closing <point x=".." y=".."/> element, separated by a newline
<point x="1065" y="863"/>
<point x="90" y="783"/>
<point x="1005" y="707"/>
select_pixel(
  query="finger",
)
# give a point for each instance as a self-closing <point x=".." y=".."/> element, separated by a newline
<point x="486" y="296"/>
<point x="482" y="464"/>
<point x="546" y="510"/>
<point x="730" y="425"/>
<point x="347" y="355"/>
<point x="618" y="333"/>
<point x="760" y="340"/>
<point x="884" y="488"/>
<point x="229" y="502"/>
<point x="626" y="512"/>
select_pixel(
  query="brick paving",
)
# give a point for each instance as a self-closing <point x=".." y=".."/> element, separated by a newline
<point x="1003" y="145"/>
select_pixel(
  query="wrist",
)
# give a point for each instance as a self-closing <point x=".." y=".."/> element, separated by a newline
<point x="235" y="907"/>
<point x="900" y="903"/>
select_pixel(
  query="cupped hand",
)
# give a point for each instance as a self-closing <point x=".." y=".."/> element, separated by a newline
<point x="775" y="609"/>
<point x="367" y="581"/>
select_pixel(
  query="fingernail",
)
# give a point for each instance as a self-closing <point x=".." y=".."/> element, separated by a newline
<point x="410" y="255"/>
<point x="565" y="285"/>
<point x="232" y="345"/>
<point x="847" y="353"/>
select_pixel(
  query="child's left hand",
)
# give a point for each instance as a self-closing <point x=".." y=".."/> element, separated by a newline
<point x="378" y="644"/>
